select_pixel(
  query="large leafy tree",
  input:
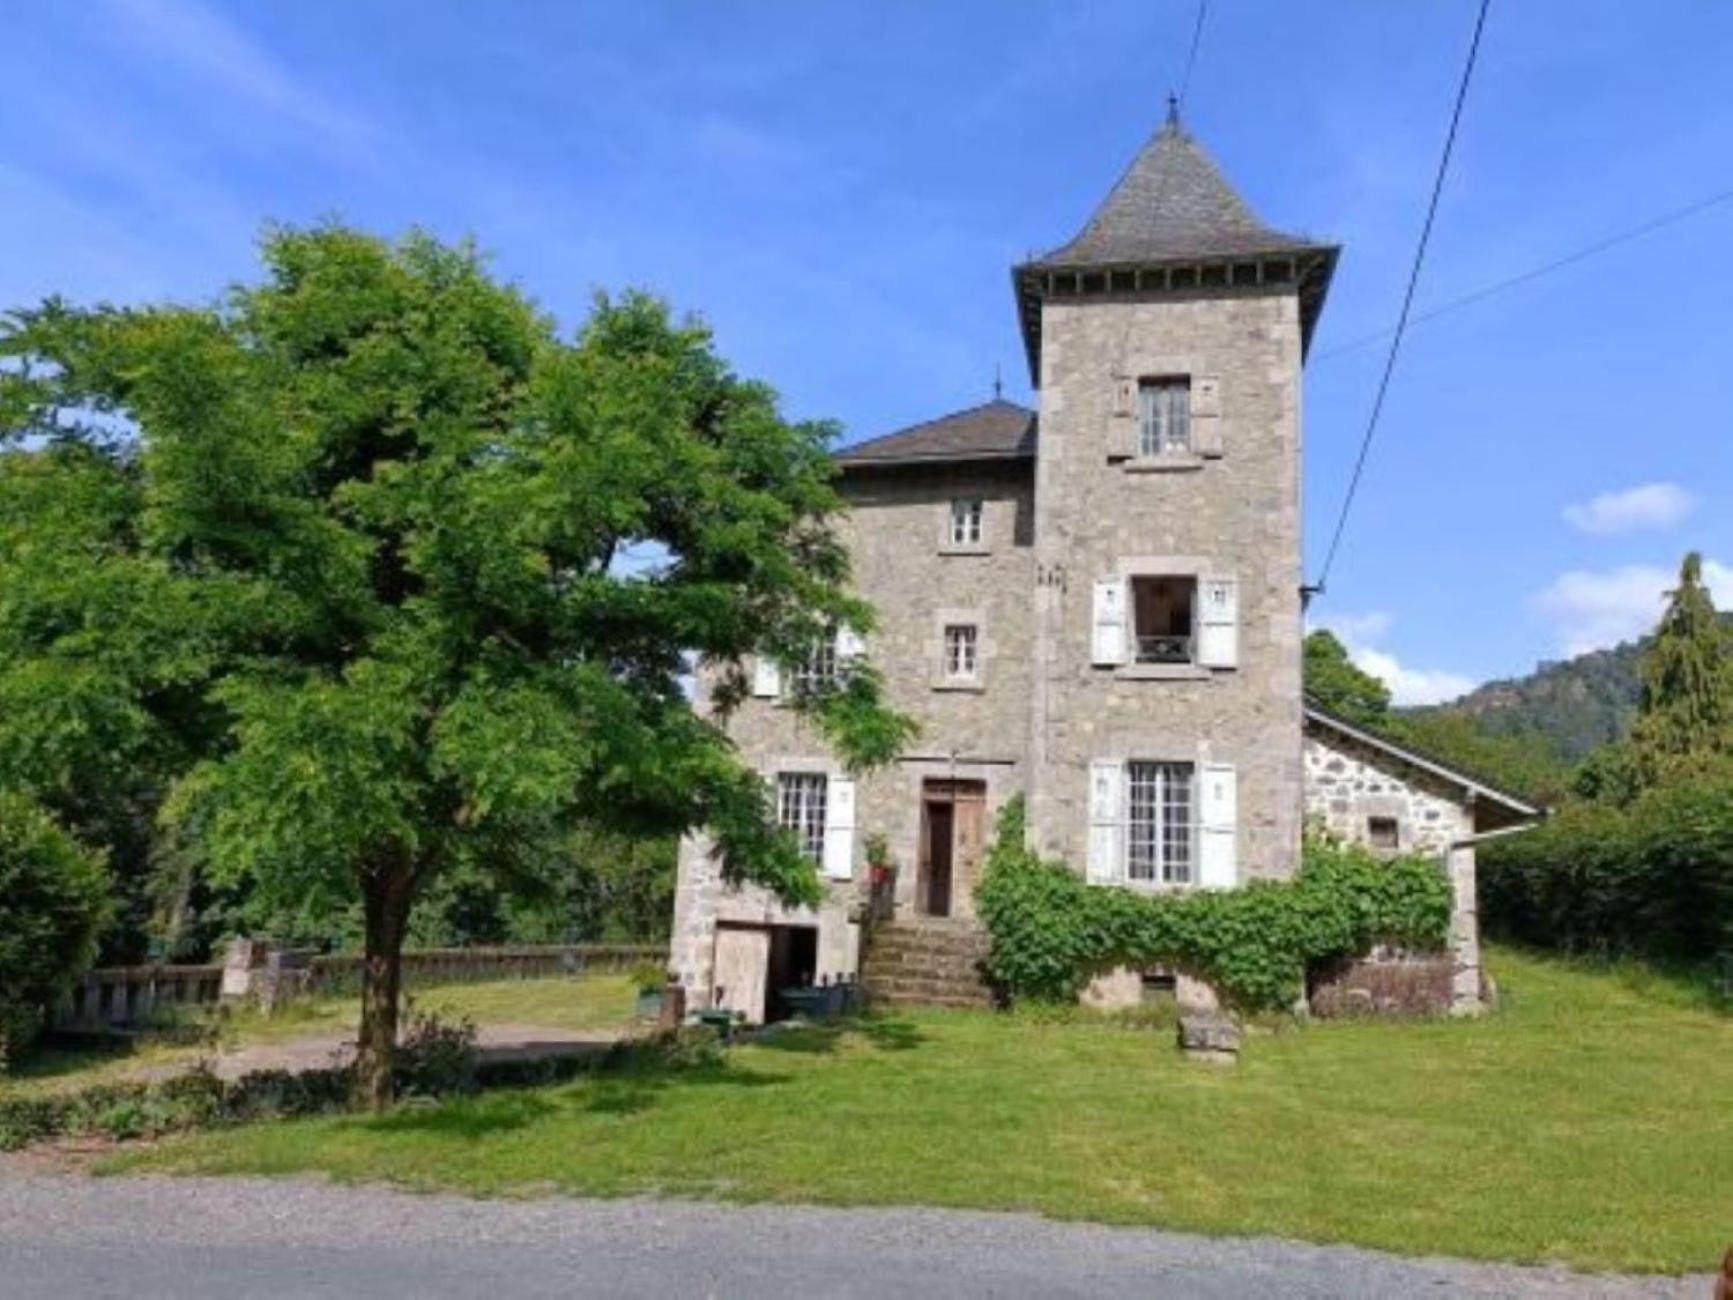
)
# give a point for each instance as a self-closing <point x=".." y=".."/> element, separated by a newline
<point x="408" y="496"/>
<point x="1333" y="681"/>
<point x="1685" y="715"/>
<point x="104" y="654"/>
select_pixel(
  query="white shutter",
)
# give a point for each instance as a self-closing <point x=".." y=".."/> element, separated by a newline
<point x="849" y="644"/>
<point x="839" y="828"/>
<point x="1107" y="644"/>
<point x="1106" y="801"/>
<point x="1218" y="866"/>
<point x="766" y="677"/>
<point x="1218" y="643"/>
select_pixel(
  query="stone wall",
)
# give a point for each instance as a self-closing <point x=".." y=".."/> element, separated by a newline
<point x="896" y="533"/>
<point x="1233" y="514"/>
<point x="1348" y="783"/>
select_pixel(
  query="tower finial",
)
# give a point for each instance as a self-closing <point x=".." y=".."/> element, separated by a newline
<point x="998" y="382"/>
<point x="1172" y="111"/>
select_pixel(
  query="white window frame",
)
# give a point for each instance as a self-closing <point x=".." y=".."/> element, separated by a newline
<point x="817" y="671"/>
<point x="801" y="804"/>
<point x="962" y="651"/>
<point x="968" y="526"/>
<point x="1159" y="852"/>
<point x="1164" y="417"/>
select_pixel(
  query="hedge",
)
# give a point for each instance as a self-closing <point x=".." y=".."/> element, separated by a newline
<point x="1052" y="932"/>
<point x="1653" y="880"/>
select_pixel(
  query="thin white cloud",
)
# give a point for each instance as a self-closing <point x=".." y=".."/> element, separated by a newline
<point x="1646" y="506"/>
<point x="1358" y="631"/>
<point x="204" y="43"/>
<point x="1592" y="610"/>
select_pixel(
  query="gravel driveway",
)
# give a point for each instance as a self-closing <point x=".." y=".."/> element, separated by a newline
<point x="67" y="1235"/>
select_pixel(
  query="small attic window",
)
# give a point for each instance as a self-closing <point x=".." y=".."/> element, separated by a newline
<point x="1184" y="277"/>
<point x="1278" y="272"/>
<point x="1065" y="283"/>
<point x="1245" y="272"/>
<point x="1123" y="281"/>
<point x="1094" y="282"/>
<point x="1213" y="275"/>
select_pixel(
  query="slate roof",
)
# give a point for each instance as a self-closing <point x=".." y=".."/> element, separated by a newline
<point x="1171" y="212"/>
<point x="996" y="430"/>
<point x="1172" y="203"/>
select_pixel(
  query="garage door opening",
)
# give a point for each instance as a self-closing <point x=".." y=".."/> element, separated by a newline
<point x="755" y="963"/>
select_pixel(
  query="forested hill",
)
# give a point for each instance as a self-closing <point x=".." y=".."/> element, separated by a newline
<point x="1573" y="704"/>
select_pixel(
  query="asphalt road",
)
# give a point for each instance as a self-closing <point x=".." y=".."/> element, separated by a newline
<point x="65" y="1235"/>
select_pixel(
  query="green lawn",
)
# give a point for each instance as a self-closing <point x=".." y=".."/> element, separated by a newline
<point x="588" y="1002"/>
<point x="1589" y="1122"/>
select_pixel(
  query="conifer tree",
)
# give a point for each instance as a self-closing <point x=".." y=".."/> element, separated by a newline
<point x="1686" y="712"/>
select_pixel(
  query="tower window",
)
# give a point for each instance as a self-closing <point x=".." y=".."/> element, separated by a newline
<point x="1159" y="823"/>
<point x="1161" y="611"/>
<point x="1164" y="417"/>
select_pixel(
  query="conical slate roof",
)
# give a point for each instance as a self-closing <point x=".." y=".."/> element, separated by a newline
<point x="1173" y="224"/>
<point x="1172" y="202"/>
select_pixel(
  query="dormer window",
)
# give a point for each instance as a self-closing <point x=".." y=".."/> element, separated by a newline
<point x="967" y="515"/>
<point x="1164" y="417"/>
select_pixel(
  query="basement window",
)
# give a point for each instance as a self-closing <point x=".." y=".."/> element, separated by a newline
<point x="1162" y="611"/>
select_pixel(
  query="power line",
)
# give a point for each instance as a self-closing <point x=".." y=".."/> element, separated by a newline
<point x="1624" y="236"/>
<point x="1191" y="56"/>
<point x="1407" y="297"/>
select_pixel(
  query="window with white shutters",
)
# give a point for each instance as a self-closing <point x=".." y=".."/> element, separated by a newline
<point x="1164" y="417"/>
<point x="800" y="807"/>
<point x="1160" y="823"/>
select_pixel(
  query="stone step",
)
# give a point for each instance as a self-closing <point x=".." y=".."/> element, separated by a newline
<point x="953" y="969"/>
<point x="897" y="943"/>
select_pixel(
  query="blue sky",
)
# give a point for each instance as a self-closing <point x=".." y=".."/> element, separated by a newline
<point x="840" y="188"/>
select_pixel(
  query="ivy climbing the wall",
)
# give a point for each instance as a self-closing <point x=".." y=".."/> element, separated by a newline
<point x="1052" y="932"/>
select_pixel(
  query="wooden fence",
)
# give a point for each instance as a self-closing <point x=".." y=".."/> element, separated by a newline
<point x="132" y="996"/>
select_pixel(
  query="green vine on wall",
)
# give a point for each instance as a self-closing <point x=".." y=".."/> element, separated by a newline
<point x="1052" y="932"/>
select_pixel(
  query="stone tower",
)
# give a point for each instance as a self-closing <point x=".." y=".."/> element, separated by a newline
<point x="1166" y="341"/>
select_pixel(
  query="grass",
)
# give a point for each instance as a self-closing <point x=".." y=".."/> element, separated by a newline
<point x="588" y="1002"/>
<point x="1589" y="1123"/>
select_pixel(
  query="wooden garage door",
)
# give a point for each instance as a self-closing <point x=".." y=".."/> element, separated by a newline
<point x="742" y="966"/>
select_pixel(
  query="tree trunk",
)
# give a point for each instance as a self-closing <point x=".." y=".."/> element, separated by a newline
<point x="387" y="897"/>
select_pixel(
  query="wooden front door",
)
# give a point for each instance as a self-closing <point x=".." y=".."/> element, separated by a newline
<point x="953" y="839"/>
<point x="741" y="969"/>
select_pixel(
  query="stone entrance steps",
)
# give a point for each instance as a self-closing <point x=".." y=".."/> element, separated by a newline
<point x="926" y="963"/>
